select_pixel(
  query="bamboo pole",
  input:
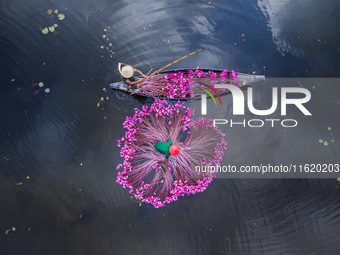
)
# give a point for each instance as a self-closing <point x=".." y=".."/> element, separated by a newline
<point x="163" y="68"/>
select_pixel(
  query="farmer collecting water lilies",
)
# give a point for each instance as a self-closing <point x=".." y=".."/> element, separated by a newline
<point x="127" y="73"/>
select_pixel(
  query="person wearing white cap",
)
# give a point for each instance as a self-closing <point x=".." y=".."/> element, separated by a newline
<point x="127" y="72"/>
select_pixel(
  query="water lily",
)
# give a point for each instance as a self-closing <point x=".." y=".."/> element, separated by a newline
<point x="52" y="29"/>
<point x="45" y="31"/>
<point x="152" y="177"/>
<point x="61" y="16"/>
<point x="41" y="84"/>
<point x="182" y="85"/>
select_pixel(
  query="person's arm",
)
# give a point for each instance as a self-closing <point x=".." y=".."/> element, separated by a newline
<point x="137" y="71"/>
<point x="131" y="83"/>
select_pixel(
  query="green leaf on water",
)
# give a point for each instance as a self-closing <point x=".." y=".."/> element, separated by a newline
<point x="51" y="29"/>
<point x="45" y="31"/>
<point x="325" y="143"/>
<point x="320" y="140"/>
<point x="41" y="84"/>
<point x="55" y="25"/>
<point x="329" y="128"/>
<point x="61" y="16"/>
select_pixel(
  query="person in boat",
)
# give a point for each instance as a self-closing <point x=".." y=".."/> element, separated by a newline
<point x="127" y="74"/>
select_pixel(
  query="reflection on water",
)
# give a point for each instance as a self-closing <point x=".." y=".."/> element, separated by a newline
<point x="58" y="149"/>
<point x="294" y="23"/>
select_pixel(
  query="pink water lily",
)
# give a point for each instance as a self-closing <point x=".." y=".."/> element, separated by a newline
<point x="184" y="84"/>
<point x="147" y="173"/>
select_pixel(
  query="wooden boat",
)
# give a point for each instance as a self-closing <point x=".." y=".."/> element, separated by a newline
<point x="244" y="80"/>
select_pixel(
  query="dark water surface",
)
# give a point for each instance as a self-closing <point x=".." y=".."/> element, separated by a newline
<point x="58" y="149"/>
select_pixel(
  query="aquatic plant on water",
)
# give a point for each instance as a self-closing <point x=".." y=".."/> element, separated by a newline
<point x="182" y="85"/>
<point x="53" y="26"/>
<point x="154" y="177"/>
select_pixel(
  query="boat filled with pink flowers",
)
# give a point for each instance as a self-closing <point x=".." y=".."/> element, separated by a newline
<point x="187" y="83"/>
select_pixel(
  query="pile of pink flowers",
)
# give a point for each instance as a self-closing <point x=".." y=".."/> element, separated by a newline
<point x="148" y="175"/>
<point x="184" y="85"/>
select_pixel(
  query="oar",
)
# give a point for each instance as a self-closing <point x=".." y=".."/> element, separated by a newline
<point x="163" y="68"/>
